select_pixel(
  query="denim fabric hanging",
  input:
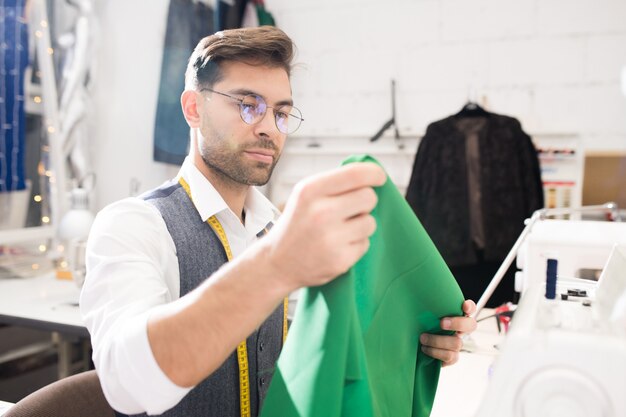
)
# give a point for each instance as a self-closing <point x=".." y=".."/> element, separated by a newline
<point x="229" y="14"/>
<point x="187" y="23"/>
<point x="13" y="62"/>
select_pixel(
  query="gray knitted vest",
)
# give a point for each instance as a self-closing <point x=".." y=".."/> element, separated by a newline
<point x="200" y="253"/>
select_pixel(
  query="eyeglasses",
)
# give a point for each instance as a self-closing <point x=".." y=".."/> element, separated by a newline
<point x="252" y="109"/>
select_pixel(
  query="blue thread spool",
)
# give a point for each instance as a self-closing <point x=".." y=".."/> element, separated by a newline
<point x="551" y="279"/>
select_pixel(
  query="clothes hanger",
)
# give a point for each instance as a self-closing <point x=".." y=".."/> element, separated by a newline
<point x="391" y="122"/>
<point x="472" y="109"/>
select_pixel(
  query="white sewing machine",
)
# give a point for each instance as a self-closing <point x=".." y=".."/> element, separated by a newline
<point x="566" y="357"/>
<point x="581" y="248"/>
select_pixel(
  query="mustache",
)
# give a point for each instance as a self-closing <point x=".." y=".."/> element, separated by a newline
<point x="262" y="144"/>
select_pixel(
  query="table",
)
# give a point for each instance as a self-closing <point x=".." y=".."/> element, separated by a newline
<point x="462" y="386"/>
<point x="43" y="302"/>
<point x="46" y="303"/>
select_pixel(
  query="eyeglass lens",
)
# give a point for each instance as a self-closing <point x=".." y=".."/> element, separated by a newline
<point x="253" y="108"/>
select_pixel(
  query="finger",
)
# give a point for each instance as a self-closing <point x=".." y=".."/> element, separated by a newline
<point x="350" y="255"/>
<point x="359" y="249"/>
<point x="447" y="357"/>
<point x="359" y="202"/>
<point x="353" y="203"/>
<point x="347" y="178"/>
<point x="459" y="324"/>
<point x="469" y="307"/>
<point x="453" y="343"/>
<point x="454" y="360"/>
<point x="335" y="213"/>
<point x="356" y="229"/>
<point x="345" y="206"/>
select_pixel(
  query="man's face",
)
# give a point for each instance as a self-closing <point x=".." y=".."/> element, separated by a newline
<point x="243" y="153"/>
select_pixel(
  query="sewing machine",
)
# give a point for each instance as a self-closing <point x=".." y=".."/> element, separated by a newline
<point x="566" y="356"/>
<point x="581" y="248"/>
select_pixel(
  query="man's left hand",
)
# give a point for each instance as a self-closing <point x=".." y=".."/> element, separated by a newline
<point x="447" y="348"/>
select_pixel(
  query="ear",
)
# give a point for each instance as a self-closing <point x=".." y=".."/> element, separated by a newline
<point x="189" y="103"/>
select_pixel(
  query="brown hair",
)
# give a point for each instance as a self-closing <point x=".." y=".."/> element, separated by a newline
<point x="264" y="45"/>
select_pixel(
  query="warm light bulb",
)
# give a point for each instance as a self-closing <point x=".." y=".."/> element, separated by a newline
<point x="50" y="51"/>
<point x="42" y="248"/>
<point x="35" y="266"/>
<point x="48" y="173"/>
<point x="50" y="129"/>
<point x="38" y="33"/>
<point x="37" y="198"/>
<point x="45" y="219"/>
<point x="44" y="24"/>
<point x="37" y="99"/>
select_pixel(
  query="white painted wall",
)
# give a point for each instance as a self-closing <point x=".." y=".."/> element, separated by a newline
<point x="131" y="35"/>
<point x="553" y="64"/>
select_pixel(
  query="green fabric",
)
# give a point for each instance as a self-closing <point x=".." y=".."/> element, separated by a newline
<point x="265" y="17"/>
<point x="353" y="349"/>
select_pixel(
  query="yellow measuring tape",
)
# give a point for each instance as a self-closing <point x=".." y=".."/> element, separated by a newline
<point x="242" y="349"/>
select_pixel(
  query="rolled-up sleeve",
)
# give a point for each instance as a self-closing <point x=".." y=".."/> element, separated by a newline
<point x="132" y="270"/>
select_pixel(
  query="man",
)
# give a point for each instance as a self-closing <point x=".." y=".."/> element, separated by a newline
<point x="163" y="334"/>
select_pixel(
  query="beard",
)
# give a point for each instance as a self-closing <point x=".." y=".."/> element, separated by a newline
<point x="231" y="163"/>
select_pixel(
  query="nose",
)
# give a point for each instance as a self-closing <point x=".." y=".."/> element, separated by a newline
<point x="266" y="127"/>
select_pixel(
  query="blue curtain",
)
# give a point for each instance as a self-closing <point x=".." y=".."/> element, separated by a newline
<point x="187" y="23"/>
<point x="13" y="62"/>
<point x="229" y="14"/>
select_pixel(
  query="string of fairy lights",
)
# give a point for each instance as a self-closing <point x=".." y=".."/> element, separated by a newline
<point x="46" y="174"/>
<point x="41" y="105"/>
<point x="43" y="168"/>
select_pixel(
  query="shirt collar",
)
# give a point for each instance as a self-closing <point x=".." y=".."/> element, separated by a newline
<point x="208" y="201"/>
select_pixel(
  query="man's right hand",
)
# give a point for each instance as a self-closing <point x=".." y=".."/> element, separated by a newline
<point x="325" y="227"/>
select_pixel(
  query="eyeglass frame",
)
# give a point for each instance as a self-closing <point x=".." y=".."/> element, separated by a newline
<point x="240" y="100"/>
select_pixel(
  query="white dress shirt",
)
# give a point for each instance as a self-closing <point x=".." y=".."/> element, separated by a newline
<point x="132" y="268"/>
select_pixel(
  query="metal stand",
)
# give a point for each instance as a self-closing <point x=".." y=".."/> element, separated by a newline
<point x="65" y="351"/>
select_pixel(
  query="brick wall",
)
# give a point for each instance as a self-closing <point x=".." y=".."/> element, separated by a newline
<point x="554" y="64"/>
